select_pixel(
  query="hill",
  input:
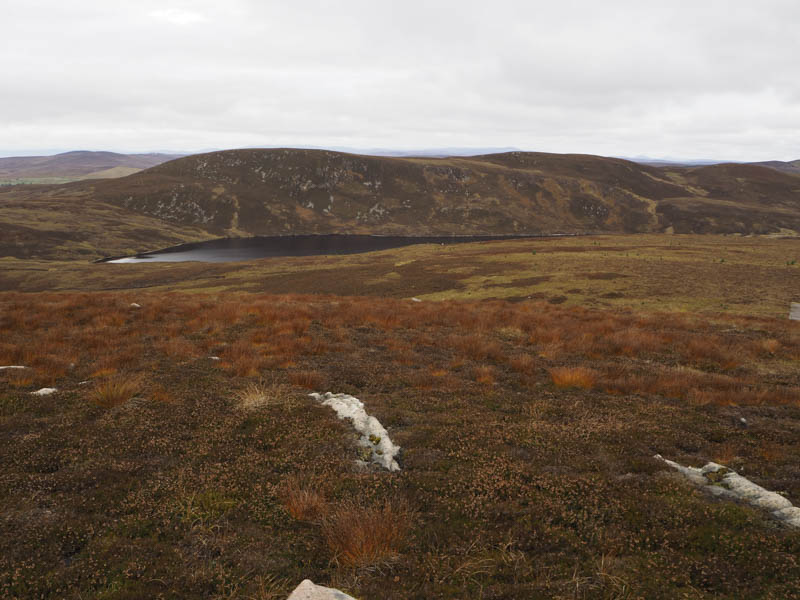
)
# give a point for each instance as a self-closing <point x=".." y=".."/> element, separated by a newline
<point x="70" y="166"/>
<point x="246" y="192"/>
<point x="792" y="166"/>
<point x="275" y="192"/>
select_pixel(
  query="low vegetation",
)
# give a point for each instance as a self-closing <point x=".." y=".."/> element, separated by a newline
<point x="115" y="391"/>
<point x="640" y="272"/>
<point x="366" y="535"/>
<point x="527" y="432"/>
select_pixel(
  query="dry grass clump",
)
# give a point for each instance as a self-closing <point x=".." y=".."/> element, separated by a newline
<point x="242" y="359"/>
<point x="19" y="377"/>
<point x="484" y="374"/>
<point x="367" y="535"/>
<point x="308" y="379"/>
<point x="259" y="394"/>
<point x="178" y="347"/>
<point x="115" y="391"/>
<point x="476" y="347"/>
<point x="770" y="346"/>
<point x="713" y="350"/>
<point x="573" y="377"/>
<point x="524" y="363"/>
<point x="303" y="499"/>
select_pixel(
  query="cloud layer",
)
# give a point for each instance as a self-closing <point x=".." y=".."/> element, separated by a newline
<point x="713" y="79"/>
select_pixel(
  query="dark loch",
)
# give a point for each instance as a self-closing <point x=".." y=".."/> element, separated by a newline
<point x="238" y="249"/>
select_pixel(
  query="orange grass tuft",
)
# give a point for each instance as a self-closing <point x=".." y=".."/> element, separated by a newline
<point x="311" y="380"/>
<point x="367" y="535"/>
<point x="523" y="363"/>
<point x="573" y="377"/>
<point x="116" y="391"/>
<point x="484" y="374"/>
<point x="303" y="501"/>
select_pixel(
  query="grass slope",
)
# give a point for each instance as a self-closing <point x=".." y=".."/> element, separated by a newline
<point x="63" y="223"/>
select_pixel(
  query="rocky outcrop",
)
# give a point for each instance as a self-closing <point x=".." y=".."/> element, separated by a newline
<point x="375" y="442"/>
<point x="726" y="483"/>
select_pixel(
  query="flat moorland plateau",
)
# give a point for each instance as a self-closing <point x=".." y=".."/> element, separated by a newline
<point x="751" y="275"/>
<point x="529" y="384"/>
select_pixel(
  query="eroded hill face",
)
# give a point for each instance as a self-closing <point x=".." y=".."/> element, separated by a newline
<point x="255" y="192"/>
<point x="274" y="192"/>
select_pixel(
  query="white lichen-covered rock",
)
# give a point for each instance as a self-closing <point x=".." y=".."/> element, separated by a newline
<point x="726" y="483"/>
<point x="794" y="311"/>
<point x="44" y="392"/>
<point x="373" y="435"/>
<point x="307" y="590"/>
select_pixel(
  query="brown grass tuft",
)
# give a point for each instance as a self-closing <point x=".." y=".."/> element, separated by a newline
<point x="311" y="380"/>
<point x="367" y="535"/>
<point x="303" y="500"/>
<point x="20" y="377"/>
<point x="573" y="377"/>
<point x="260" y="394"/>
<point x="524" y="363"/>
<point x="484" y="375"/>
<point x="770" y="346"/>
<point x="116" y="391"/>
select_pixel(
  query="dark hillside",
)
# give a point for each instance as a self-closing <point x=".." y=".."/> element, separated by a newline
<point x="313" y="191"/>
<point x="284" y="191"/>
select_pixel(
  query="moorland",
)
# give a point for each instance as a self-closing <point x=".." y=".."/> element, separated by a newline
<point x="529" y="384"/>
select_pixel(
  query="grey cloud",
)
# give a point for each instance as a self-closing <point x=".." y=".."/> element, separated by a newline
<point x="715" y="79"/>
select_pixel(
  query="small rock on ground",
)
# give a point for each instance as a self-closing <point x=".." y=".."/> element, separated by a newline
<point x="307" y="590"/>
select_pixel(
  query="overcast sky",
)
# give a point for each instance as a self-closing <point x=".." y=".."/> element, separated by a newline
<point x="690" y="79"/>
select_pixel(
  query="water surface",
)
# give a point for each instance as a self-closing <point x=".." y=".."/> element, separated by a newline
<point x="238" y="249"/>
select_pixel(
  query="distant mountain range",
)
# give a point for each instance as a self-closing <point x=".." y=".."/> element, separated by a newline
<point x="82" y="164"/>
<point x="71" y="166"/>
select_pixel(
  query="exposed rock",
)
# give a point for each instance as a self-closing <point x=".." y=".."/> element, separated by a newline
<point x="726" y="483"/>
<point x="307" y="590"/>
<point x="374" y="438"/>
<point x="44" y="392"/>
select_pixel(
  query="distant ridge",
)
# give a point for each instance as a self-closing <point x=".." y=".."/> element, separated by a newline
<point x="79" y="164"/>
<point x="792" y="166"/>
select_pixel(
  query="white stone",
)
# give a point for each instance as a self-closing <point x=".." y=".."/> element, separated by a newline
<point x="373" y="434"/>
<point x="134" y="305"/>
<point x="44" y="392"/>
<point x="734" y="486"/>
<point x="307" y="590"/>
<point x="794" y="311"/>
<point x="12" y="367"/>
